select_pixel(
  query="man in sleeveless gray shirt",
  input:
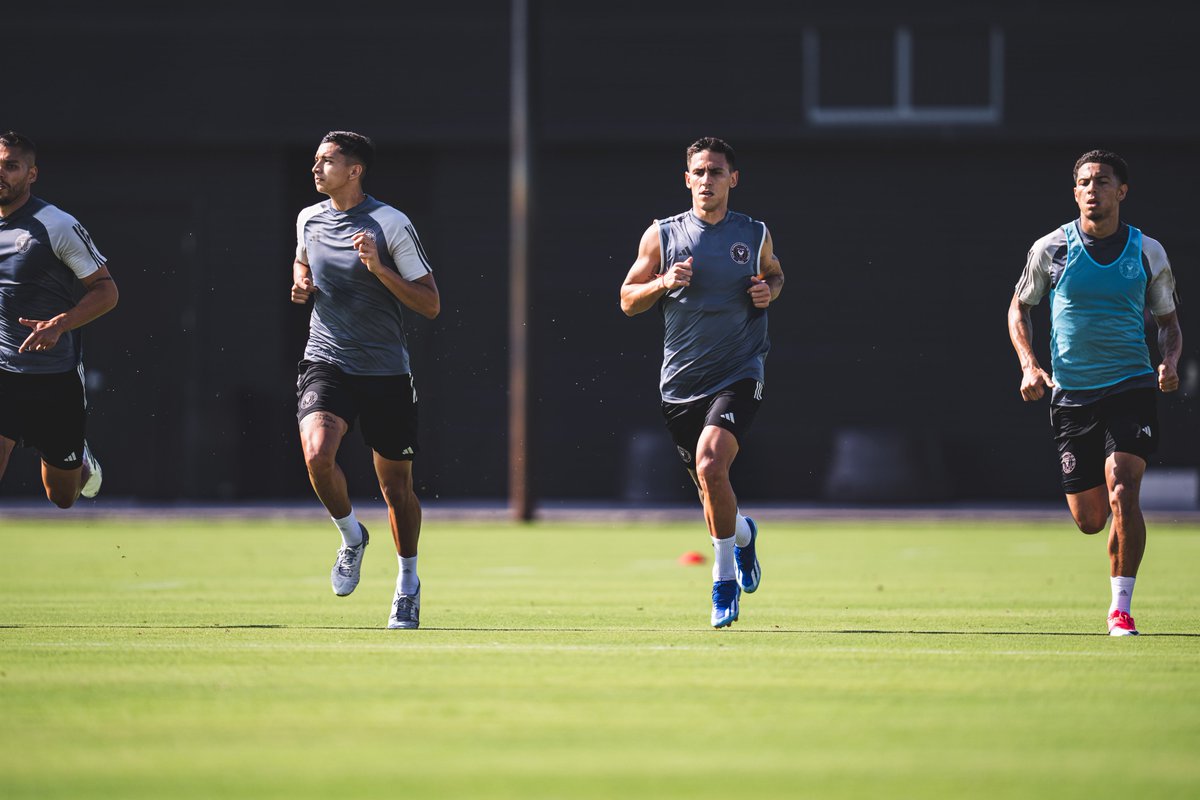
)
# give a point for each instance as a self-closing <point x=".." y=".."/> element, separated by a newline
<point x="360" y="261"/>
<point x="45" y="256"/>
<point x="711" y="273"/>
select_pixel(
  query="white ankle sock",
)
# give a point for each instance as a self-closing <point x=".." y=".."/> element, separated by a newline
<point x="741" y="531"/>
<point x="350" y="529"/>
<point x="407" y="581"/>
<point x="723" y="566"/>
<point x="1122" y="594"/>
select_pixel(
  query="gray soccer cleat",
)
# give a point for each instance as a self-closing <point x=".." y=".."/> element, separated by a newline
<point x="406" y="610"/>
<point x="91" y="484"/>
<point x="345" y="572"/>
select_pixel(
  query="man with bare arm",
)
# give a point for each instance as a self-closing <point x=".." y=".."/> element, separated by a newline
<point x="1101" y="274"/>
<point x="45" y="255"/>
<point x="361" y="263"/>
<point x="711" y="273"/>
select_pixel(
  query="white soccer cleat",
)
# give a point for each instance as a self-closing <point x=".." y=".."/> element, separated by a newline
<point x="94" y="476"/>
<point x="406" y="610"/>
<point x="348" y="566"/>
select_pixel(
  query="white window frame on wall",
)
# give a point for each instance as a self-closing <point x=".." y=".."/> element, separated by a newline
<point x="903" y="112"/>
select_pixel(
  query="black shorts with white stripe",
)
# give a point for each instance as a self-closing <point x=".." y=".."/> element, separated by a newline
<point x="732" y="408"/>
<point x="47" y="412"/>
<point x="1125" y="422"/>
<point x="386" y="405"/>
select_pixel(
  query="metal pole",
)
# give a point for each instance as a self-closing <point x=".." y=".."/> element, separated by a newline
<point x="520" y="494"/>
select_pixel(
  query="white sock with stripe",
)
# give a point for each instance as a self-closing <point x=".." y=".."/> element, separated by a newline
<point x="1122" y="594"/>
<point x="349" y="528"/>
<point x="723" y="566"/>
<point x="741" y="530"/>
<point x="407" y="581"/>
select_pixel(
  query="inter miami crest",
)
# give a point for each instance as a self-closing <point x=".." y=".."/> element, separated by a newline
<point x="740" y="253"/>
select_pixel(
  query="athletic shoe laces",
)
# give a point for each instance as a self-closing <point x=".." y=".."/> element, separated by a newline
<point x="405" y="607"/>
<point x="724" y="592"/>
<point x="347" y="557"/>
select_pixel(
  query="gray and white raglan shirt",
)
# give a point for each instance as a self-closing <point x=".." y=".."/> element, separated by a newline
<point x="43" y="252"/>
<point x="357" y="324"/>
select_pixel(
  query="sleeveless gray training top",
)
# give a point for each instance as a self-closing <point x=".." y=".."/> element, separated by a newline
<point x="714" y="336"/>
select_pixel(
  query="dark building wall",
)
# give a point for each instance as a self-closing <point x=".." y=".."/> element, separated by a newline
<point x="182" y="138"/>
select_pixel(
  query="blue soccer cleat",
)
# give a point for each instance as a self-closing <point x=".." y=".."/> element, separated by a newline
<point x="725" y="603"/>
<point x="746" y="559"/>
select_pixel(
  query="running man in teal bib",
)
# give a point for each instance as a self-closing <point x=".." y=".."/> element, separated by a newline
<point x="1101" y="275"/>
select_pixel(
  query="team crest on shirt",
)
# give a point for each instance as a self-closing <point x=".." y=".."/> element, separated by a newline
<point x="24" y="242"/>
<point x="1068" y="463"/>
<point x="684" y="454"/>
<point x="740" y="253"/>
<point x="1131" y="268"/>
<point x="308" y="399"/>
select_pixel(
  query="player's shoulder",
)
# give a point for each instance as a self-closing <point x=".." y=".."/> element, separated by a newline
<point x="386" y="215"/>
<point x="1153" y="248"/>
<point x="744" y="219"/>
<point x="53" y="218"/>
<point x="756" y="227"/>
<point x="311" y="211"/>
<point x="1051" y="242"/>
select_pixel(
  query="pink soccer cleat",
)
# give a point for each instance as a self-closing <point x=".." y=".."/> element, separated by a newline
<point x="1121" y="624"/>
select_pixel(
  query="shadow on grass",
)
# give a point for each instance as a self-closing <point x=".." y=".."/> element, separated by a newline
<point x="699" y="631"/>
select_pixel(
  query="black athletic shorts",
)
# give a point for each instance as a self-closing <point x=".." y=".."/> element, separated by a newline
<point x="45" y="412"/>
<point x="386" y="405"/>
<point x="733" y="408"/>
<point x="1126" y="422"/>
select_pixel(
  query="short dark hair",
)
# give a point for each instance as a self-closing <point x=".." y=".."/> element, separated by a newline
<point x="16" y="141"/>
<point x="715" y="145"/>
<point x="353" y="145"/>
<point x="1120" y="168"/>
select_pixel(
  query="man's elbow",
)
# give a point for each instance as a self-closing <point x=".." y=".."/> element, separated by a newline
<point x="111" y="296"/>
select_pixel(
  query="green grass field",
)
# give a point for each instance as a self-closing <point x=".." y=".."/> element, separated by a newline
<point x="165" y="659"/>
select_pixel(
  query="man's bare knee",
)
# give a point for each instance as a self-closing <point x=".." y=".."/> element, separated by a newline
<point x="1091" y="524"/>
<point x="710" y="470"/>
<point x="60" y="498"/>
<point x="398" y="494"/>
<point x="1123" y="499"/>
<point x="320" y="462"/>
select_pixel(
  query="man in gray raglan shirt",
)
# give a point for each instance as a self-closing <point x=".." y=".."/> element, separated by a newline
<point x="712" y="273"/>
<point x="362" y="263"/>
<point x="45" y="255"/>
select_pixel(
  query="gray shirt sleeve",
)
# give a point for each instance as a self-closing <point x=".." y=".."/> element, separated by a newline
<point x="1160" y="293"/>
<point x="301" y="219"/>
<point x="1035" y="279"/>
<point x="70" y="242"/>
<point x="403" y="244"/>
